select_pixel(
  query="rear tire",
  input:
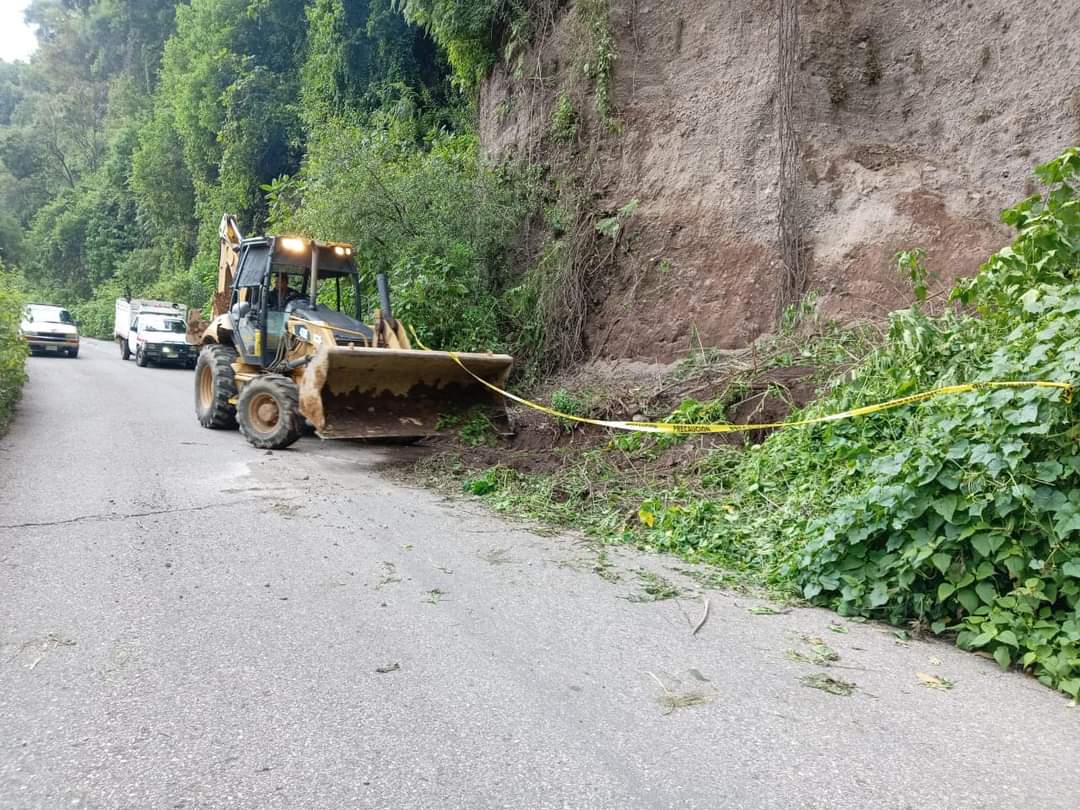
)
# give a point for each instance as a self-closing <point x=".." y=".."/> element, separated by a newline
<point x="73" y="353"/>
<point x="125" y="350"/>
<point x="215" y="385"/>
<point x="268" y="411"/>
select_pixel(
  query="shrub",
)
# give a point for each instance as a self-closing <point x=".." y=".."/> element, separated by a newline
<point x="972" y="523"/>
<point x="564" y="120"/>
<point x="12" y="345"/>
<point x="448" y="306"/>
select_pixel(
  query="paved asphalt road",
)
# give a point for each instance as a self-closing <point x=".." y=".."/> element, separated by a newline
<point x="188" y="622"/>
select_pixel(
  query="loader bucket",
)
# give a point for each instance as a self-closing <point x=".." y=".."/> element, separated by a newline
<point x="362" y="393"/>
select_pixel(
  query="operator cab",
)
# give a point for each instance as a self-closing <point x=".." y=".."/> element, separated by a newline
<point x="282" y="277"/>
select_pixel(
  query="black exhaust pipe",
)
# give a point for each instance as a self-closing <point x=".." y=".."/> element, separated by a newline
<point x="383" y="286"/>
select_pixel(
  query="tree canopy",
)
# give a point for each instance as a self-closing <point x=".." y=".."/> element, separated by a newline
<point x="137" y="123"/>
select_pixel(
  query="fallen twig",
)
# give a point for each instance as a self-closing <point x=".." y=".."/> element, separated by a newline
<point x="704" y="618"/>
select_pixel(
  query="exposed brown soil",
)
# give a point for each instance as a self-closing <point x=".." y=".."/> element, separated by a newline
<point x="541" y="444"/>
<point x="918" y="122"/>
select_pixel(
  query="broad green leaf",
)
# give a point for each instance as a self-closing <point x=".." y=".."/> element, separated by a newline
<point x="981" y="543"/>
<point x="982" y="639"/>
<point x="969" y="599"/>
<point x="1048" y="471"/>
<point x="879" y="595"/>
<point x="945" y="506"/>
<point x="1067" y="521"/>
<point x="986" y="591"/>
<point x="1003" y="657"/>
<point x="945" y="590"/>
<point x="1008" y="637"/>
<point x="941" y="561"/>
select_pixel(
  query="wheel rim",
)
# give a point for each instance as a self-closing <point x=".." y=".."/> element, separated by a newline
<point x="263" y="413"/>
<point x="206" y="387"/>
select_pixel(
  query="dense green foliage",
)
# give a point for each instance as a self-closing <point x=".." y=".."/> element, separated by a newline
<point x="12" y="345"/>
<point x="137" y="123"/>
<point x="414" y="198"/>
<point x="972" y="522"/>
<point x="961" y="515"/>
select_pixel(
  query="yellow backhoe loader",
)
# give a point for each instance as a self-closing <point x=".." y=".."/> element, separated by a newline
<point x="287" y="343"/>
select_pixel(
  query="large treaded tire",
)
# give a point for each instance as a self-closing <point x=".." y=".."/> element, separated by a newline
<point x="125" y="350"/>
<point x="215" y="385"/>
<point x="268" y="411"/>
<point x="140" y="358"/>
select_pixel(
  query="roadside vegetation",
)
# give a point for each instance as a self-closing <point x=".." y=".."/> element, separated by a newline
<point x="12" y="346"/>
<point x="960" y="517"/>
<point x="137" y="123"/>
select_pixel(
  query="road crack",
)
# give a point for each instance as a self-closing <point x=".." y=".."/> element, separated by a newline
<point x="125" y="515"/>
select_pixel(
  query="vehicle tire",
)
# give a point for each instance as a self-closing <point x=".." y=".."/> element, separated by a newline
<point x="268" y="411"/>
<point x="125" y="350"/>
<point x="214" y="387"/>
<point x="73" y="353"/>
<point x="140" y="358"/>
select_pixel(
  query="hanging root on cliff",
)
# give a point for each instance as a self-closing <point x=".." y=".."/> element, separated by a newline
<point x="793" y="282"/>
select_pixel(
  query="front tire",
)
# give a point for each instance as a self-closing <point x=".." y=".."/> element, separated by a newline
<point x="215" y="386"/>
<point x="268" y="411"/>
<point x="140" y="358"/>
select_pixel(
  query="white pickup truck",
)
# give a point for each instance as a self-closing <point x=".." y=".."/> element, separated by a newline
<point x="154" y="332"/>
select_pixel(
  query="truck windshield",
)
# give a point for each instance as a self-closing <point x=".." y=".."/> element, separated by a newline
<point x="151" y="324"/>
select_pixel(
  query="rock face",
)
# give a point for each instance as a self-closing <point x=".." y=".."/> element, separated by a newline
<point x="917" y="121"/>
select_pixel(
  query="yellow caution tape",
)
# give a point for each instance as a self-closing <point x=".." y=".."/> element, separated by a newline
<point x="684" y="427"/>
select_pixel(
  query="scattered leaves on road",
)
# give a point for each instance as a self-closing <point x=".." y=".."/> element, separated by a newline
<point x="768" y="610"/>
<point x="389" y="576"/>
<point x="671" y="701"/>
<point x="838" y="628"/>
<point x="435" y="596"/>
<point x="604" y="569"/>
<point x="654" y="588"/>
<point x="827" y="683"/>
<point x="388" y="668"/>
<point x="934" y="681"/>
<point x="285" y="510"/>
<point x="819" y="653"/>
<point x="497" y="556"/>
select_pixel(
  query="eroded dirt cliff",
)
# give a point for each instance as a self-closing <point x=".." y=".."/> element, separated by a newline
<point x="917" y="122"/>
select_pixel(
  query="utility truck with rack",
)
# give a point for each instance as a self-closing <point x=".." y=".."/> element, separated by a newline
<point x="153" y="332"/>
<point x="288" y="342"/>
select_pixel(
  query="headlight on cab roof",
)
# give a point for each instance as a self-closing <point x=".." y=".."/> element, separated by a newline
<point x="291" y="243"/>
